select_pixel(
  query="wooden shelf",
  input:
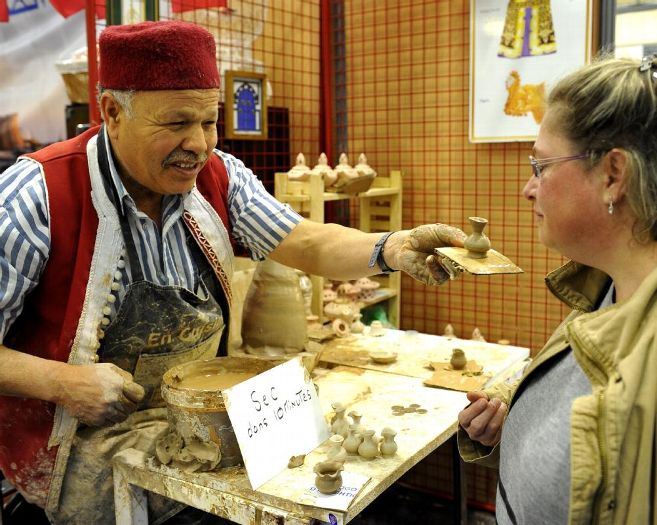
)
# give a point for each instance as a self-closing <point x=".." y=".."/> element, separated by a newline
<point x="379" y="211"/>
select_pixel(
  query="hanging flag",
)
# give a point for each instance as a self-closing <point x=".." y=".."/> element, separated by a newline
<point x="4" y="11"/>
<point x="180" y="6"/>
<point x="67" y="8"/>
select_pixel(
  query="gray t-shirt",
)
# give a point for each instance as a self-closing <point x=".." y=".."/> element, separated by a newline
<point x="534" y="476"/>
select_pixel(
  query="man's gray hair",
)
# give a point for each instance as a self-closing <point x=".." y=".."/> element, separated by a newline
<point x="123" y="97"/>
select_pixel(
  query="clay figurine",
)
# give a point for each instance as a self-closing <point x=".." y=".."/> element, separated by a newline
<point x="322" y="168"/>
<point x="458" y="360"/>
<point x="363" y="168"/>
<point x="344" y="170"/>
<point x="388" y="446"/>
<point x="299" y="171"/>
<point x="449" y="331"/>
<point x="328" y="479"/>
<point x="476" y="335"/>
<point x="376" y="329"/>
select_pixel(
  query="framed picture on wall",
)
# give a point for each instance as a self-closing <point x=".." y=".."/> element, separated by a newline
<point x="245" y="108"/>
<point x="518" y="50"/>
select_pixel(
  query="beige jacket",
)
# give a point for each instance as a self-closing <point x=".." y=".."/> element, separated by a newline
<point x="613" y="430"/>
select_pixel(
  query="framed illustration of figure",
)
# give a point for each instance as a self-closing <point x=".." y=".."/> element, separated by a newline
<point x="245" y="108"/>
<point x="518" y="50"/>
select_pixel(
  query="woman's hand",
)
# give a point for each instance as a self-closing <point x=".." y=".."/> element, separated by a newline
<point x="483" y="418"/>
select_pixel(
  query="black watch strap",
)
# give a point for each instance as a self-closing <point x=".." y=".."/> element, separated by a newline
<point x="377" y="255"/>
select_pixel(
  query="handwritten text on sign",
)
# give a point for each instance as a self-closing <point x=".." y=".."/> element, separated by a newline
<point x="275" y="415"/>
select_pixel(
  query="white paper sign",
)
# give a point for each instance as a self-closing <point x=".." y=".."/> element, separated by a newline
<point x="275" y="415"/>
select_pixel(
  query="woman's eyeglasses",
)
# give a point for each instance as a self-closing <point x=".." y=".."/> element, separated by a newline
<point x="538" y="165"/>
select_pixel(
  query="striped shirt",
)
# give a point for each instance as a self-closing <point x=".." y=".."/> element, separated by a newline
<point x="258" y="220"/>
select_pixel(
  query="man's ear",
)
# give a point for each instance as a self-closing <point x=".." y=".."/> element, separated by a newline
<point x="111" y="113"/>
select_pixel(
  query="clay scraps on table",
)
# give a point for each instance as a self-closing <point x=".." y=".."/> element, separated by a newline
<point x="400" y="410"/>
<point x="191" y="455"/>
<point x="296" y="461"/>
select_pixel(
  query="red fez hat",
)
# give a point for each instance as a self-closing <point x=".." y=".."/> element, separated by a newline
<point x="152" y="56"/>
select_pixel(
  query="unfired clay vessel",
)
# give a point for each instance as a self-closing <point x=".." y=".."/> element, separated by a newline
<point x="328" y="479"/>
<point x="369" y="448"/>
<point x="353" y="441"/>
<point x="356" y="417"/>
<point x="388" y="447"/>
<point x="274" y="317"/>
<point x="336" y="451"/>
<point x="339" y="425"/>
<point x="458" y="360"/>
<point x="477" y="243"/>
<point x="357" y="327"/>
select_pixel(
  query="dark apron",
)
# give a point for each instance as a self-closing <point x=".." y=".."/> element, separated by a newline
<point x="156" y="327"/>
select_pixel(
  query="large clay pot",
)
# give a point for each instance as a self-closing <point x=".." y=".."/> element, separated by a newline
<point x="274" y="319"/>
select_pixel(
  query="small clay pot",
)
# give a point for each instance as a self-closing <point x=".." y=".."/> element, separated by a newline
<point x="458" y="359"/>
<point x="353" y="441"/>
<point x="477" y="243"/>
<point x="388" y="446"/>
<point x="328" y="479"/>
<point x="369" y="448"/>
<point x="336" y="451"/>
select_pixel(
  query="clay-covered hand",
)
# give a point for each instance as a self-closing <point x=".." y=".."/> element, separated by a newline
<point x="483" y="418"/>
<point x="412" y="251"/>
<point x="99" y="394"/>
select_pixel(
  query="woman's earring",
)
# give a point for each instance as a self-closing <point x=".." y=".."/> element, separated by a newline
<point x="610" y="209"/>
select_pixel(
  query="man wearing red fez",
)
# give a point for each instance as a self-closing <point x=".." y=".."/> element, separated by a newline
<point x="118" y="242"/>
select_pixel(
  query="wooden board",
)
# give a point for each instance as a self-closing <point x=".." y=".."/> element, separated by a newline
<point x="416" y="351"/>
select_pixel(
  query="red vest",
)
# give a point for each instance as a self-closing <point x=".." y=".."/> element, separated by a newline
<point x="48" y="323"/>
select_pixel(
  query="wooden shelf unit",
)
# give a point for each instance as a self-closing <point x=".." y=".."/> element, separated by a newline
<point x="379" y="211"/>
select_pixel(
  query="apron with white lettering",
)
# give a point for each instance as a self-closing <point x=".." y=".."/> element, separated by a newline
<point x="156" y="327"/>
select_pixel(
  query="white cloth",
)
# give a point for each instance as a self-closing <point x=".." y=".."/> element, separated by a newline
<point x="35" y="37"/>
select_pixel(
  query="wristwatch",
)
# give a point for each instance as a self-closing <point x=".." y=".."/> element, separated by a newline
<point x="377" y="255"/>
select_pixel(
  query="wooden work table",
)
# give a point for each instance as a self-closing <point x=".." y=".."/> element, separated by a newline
<point x="368" y="388"/>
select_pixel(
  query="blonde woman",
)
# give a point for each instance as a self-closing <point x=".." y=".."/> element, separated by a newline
<point x="575" y="440"/>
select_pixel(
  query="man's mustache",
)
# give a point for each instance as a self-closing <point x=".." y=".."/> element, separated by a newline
<point x="184" y="157"/>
